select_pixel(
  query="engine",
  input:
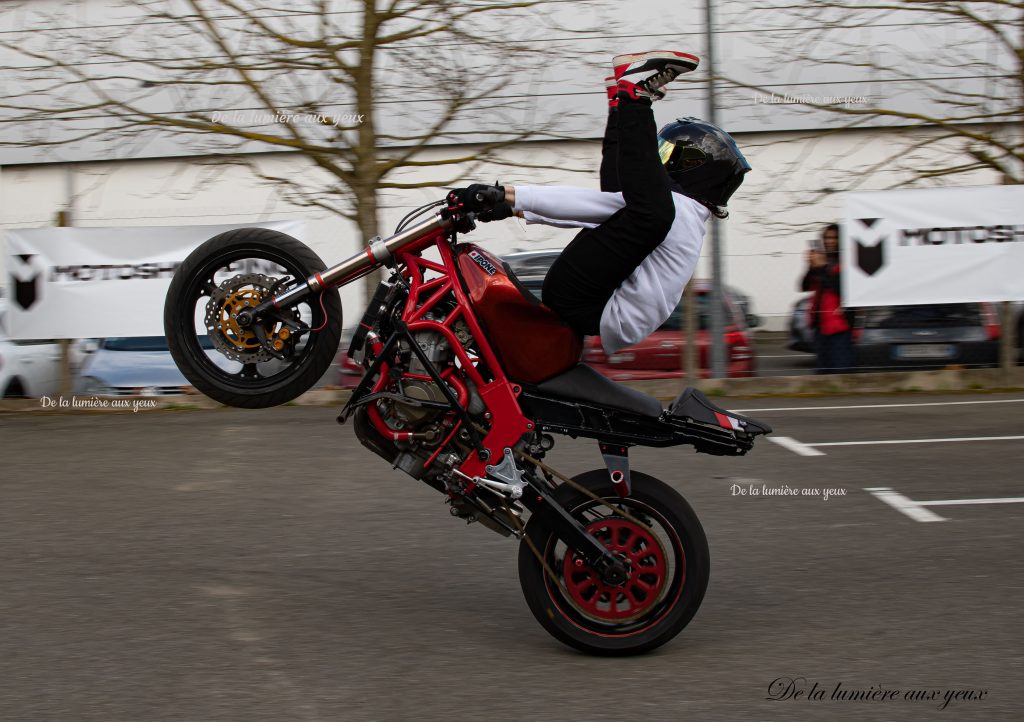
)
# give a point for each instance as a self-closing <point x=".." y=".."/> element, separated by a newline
<point x="413" y="404"/>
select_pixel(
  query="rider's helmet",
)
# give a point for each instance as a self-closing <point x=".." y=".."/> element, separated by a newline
<point x="703" y="160"/>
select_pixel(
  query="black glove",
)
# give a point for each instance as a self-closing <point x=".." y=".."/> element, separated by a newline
<point x="499" y="213"/>
<point x="477" y="197"/>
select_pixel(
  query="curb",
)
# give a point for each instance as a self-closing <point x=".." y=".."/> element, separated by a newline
<point x="955" y="380"/>
<point x="943" y="380"/>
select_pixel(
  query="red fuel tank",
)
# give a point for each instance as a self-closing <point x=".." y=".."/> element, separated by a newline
<point x="532" y="342"/>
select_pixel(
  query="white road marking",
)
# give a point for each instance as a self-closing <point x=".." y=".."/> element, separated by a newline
<point x="795" y="446"/>
<point x="904" y="505"/>
<point x="916" y="509"/>
<point x="916" y="441"/>
<point x="881" y="406"/>
<point x="957" y="502"/>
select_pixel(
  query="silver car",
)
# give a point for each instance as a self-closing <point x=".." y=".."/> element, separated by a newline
<point x="138" y="366"/>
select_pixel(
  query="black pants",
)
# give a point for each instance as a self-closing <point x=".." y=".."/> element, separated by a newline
<point x="599" y="259"/>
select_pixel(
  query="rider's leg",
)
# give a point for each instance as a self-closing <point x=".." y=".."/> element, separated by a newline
<point x="610" y="143"/>
<point x="598" y="260"/>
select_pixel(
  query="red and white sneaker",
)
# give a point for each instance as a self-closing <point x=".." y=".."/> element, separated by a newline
<point x="652" y="70"/>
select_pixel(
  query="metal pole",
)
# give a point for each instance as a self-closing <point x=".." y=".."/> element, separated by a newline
<point x="717" y="329"/>
<point x="1008" y="329"/>
<point x="690" y="366"/>
<point x="66" y="217"/>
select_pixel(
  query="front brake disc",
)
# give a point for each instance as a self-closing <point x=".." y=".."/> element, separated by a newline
<point x="231" y="298"/>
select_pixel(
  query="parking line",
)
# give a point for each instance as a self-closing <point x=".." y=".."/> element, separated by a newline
<point x="904" y="505"/>
<point x="795" y="446"/>
<point x="957" y="502"/>
<point x="916" y="509"/>
<point x="882" y="406"/>
<point x="917" y="441"/>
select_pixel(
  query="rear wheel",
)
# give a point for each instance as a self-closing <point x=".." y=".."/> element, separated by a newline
<point x="231" y="364"/>
<point x="666" y="554"/>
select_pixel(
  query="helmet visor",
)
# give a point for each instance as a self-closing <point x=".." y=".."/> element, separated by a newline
<point x="677" y="157"/>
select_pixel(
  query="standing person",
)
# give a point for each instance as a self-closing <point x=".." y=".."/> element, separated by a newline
<point x="624" y="272"/>
<point x="831" y="324"/>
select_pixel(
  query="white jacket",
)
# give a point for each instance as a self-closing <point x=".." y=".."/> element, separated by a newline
<point x="646" y="299"/>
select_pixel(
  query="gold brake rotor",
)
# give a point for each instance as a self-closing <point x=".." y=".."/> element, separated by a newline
<point x="231" y="298"/>
<point x="232" y="305"/>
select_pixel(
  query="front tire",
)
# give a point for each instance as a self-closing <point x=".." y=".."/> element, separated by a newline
<point x="668" y="557"/>
<point x="243" y="375"/>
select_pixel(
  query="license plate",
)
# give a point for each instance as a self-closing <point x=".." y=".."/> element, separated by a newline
<point x="926" y="350"/>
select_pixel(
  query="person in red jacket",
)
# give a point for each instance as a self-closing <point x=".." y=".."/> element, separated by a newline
<point x="832" y="325"/>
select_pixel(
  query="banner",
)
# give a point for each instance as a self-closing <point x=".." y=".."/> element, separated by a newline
<point x="942" y="245"/>
<point x="99" y="282"/>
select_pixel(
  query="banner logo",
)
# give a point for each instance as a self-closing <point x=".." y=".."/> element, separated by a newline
<point x="26" y="277"/>
<point x="870" y="255"/>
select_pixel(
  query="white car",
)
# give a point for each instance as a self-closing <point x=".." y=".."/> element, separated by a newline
<point x="27" y="368"/>
<point x="139" y="366"/>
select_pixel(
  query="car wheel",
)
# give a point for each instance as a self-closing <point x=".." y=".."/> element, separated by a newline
<point x="15" y="390"/>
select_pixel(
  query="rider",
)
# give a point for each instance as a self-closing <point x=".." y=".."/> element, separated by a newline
<point x="624" y="273"/>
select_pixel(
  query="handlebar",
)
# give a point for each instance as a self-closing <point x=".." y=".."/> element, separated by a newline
<point x="476" y="198"/>
<point x="489" y="197"/>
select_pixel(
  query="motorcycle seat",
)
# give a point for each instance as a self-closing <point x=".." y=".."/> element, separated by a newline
<point x="582" y="383"/>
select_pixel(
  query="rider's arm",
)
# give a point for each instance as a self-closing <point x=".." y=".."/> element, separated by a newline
<point x="531" y="217"/>
<point x="580" y="206"/>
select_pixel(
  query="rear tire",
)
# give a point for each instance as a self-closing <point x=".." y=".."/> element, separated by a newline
<point x="192" y="281"/>
<point x="674" y="566"/>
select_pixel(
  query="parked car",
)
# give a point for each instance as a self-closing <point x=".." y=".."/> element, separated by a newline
<point x="138" y="366"/>
<point x="660" y="354"/>
<point x="27" y="368"/>
<point x="349" y="372"/>
<point x="801" y="336"/>
<point x="931" y="335"/>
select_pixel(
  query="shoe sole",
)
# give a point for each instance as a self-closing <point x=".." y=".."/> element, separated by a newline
<point x="654" y="60"/>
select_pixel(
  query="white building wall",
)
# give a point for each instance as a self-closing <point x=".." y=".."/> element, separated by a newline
<point x="774" y="216"/>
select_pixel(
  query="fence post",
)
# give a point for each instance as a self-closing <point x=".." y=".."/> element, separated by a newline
<point x="1007" y="341"/>
<point x="690" y="366"/>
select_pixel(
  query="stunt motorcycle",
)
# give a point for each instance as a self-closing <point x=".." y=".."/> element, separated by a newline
<point x="468" y="379"/>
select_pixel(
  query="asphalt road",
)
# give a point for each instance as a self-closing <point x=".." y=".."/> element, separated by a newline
<point x="260" y="565"/>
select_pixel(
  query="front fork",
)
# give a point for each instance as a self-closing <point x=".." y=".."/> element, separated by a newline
<point x="378" y="253"/>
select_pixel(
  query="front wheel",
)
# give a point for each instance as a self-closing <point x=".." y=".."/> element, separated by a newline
<point x="230" y="273"/>
<point x="665" y="550"/>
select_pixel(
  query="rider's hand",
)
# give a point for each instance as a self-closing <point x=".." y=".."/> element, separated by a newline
<point x="499" y="213"/>
<point x="477" y="197"/>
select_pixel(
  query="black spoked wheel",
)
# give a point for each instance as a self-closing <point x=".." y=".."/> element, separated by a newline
<point x="230" y="363"/>
<point x="666" y="554"/>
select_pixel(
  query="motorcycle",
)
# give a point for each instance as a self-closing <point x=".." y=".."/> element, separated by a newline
<point x="468" y="379"/>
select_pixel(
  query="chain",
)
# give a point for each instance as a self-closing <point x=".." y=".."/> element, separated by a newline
<point x="521" y="529"/>
<point x="565" y="479"/>
<point x="580" y="488"/>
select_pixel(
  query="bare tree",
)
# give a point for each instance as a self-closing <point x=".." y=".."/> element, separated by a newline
<point x="361" y="89"/>
<point x="950" y="75"/>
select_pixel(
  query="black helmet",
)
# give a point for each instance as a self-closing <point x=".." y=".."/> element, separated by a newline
<point x="704" y="160"/>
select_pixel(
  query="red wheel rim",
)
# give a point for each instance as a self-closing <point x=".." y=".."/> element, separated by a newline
<point x="645" y="560"/>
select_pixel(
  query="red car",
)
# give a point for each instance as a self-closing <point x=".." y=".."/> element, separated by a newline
<point x="660" y="355"/>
